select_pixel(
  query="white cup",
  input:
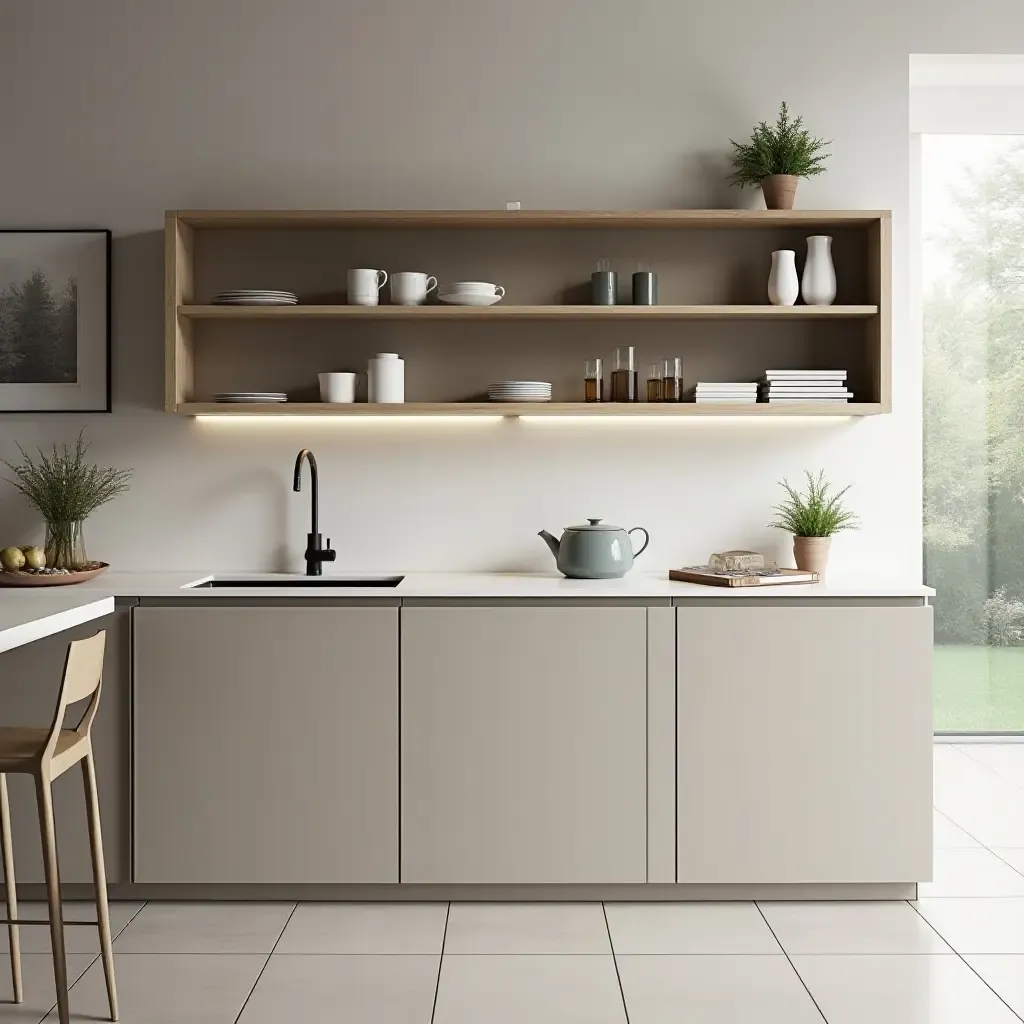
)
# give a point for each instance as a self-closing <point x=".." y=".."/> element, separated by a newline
<point x="364" y="286"/>
<point x="411" y="288"/>
<point x="338" y="388"/>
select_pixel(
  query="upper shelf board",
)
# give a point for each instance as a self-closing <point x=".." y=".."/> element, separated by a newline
<point x="538" y="219"/>
<point x="443" y="312"/>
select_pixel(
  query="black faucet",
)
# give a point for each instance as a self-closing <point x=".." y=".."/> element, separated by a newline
<point x="315" y="555"/>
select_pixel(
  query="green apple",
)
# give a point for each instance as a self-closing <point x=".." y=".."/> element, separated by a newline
<point x="12" y="559"/>
<point x="35" y="557"/>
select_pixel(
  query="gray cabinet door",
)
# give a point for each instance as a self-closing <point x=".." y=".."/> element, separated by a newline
<point x="29" y="680"/>
<point x="804" y="744"/>
<point x="523" y="744"/>
<point x="266" y="744"/>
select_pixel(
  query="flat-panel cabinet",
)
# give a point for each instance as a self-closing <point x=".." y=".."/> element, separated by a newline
<point x="804" y="743"/>
<point x="29" y="681"/>
<point x="523" y="744"/>
<point x="266" y="744"/>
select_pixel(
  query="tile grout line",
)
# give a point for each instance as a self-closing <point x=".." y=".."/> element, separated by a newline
<point x="970" y="835"/>
<point x="789" y="960"/>
<point x="92" y="962"/>
<point x="440" y="961"/>
<point x="995" y="771"/>
<point x="277" y="941"/>
<point x="963" y="960"/>
<point x="615" y="961"/>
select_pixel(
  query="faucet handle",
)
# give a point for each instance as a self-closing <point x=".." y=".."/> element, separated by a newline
<point x="329" y="554"/>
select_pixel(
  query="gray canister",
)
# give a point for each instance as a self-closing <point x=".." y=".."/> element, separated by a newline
<point x="604" y="287"/>
<point x="645" y="288"/>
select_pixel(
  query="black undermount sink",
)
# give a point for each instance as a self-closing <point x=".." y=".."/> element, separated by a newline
<point x="305" y="581"/>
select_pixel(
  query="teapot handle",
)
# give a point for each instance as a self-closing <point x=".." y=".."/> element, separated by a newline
<point x="647" y="540"/>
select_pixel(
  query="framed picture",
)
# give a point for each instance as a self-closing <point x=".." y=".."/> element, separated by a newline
<point x="54" y="321"/>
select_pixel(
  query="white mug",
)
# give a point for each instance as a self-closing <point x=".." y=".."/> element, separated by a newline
<point x="338" y="388"/>
<point x="410" y="288"/>
<point x="364" y="286"/>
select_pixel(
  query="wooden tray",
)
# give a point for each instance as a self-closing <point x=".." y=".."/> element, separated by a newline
<point x="32" y="579"/>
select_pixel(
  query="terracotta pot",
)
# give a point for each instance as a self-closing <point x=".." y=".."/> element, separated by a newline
<point x="779" y="191"/>
<point x="811" y="553"/>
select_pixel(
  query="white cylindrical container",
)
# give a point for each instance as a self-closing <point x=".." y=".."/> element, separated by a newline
<point x="385" y="378"/>
<point x="818" y="286"/>
<point x="783" y="284"/>
<point x="338" y="388"/>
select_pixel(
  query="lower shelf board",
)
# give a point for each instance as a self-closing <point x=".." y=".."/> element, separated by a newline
<point x="531" y="409"/>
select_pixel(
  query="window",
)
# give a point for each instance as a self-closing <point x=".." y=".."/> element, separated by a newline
<point x="972" y="279"/>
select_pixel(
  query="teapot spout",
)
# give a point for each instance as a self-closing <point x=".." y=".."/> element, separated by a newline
<point x="550" y="541"/>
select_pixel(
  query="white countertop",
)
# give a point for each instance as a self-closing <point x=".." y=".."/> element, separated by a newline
<point x="27" y="615"/>
<point x="488" y="585"/>
<point x="31" y="615"/>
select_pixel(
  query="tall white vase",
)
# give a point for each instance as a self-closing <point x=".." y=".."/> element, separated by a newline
<point x="819" y="281"/>
<point x="783" y="284"/>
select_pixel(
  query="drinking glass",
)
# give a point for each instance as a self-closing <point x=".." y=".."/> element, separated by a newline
<point x="654" y="382"/>
<point x="593" y="380"/>
<point x="624" y="375"/>
<point x="672" y="380"/>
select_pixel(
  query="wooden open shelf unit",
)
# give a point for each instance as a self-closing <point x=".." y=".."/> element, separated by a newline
<point x="544" y="259"/>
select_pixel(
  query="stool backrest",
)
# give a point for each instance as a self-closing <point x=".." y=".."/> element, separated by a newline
<point x="83" y="677"/>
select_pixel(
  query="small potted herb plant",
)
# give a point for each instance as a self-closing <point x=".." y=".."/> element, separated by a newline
<point x="777" y="157"/>
<point x="813" y="517"/>
<point x="65" y="490"/>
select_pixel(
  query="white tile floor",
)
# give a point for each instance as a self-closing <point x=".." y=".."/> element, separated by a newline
<point x="954" y="956"/>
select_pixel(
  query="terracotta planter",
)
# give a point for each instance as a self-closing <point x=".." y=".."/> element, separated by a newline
<point x="779" y="191"/>
<point x="811" y="553"/>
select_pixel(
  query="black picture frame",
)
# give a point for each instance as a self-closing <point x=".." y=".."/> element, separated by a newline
<point x="95" y="394"/>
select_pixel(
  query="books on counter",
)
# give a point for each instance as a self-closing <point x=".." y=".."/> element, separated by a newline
<point x="808" y="386"/>
<point x="734" y="392"/>
<point x="740" y="577"/>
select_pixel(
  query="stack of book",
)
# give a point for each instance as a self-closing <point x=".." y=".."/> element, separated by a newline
<point x="805" y="386"/>
<point x="742" y="392"/>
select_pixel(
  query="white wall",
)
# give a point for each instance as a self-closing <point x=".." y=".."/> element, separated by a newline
<point x="116" y="110"/>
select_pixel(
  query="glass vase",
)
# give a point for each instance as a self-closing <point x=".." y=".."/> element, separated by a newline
<point x="65" y="545"/>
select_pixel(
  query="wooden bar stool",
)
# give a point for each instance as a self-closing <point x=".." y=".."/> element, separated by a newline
<point x="45" y="754"/>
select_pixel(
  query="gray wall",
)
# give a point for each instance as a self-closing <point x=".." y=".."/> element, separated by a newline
<point x="116" y="110"/>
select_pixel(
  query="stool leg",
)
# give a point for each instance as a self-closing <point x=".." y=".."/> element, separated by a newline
<point x="99" y="876"/>
<point x="9" y="885"/>
<point x="44" y="799"/>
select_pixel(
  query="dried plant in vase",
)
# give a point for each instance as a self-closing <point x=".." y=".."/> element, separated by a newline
<point x="777" y="157"/>
<point x="813" y="517"/>
<point x="65" y="491"/>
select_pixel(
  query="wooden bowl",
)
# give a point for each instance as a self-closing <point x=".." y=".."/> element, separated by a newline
<point x="34" y="579"/>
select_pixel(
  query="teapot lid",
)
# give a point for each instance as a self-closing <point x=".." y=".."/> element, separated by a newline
<point x="595" y="525"/>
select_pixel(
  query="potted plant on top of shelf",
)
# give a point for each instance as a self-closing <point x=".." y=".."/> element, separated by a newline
<point x="813" y="518"/>
<point x="777" y="157"/>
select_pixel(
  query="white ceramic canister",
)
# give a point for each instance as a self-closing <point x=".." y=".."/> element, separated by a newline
<point x="385" y="378"/>
<point x="783" y="284"/>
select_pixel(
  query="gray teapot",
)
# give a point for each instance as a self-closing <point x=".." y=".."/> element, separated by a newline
<point x="597" y="551"/>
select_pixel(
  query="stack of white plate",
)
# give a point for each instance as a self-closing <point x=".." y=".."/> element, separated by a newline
<point x="520" y="391"/>
<point x="471" y="293"/>
<point x="255" y="297"/>
<point x="250" y="396"/>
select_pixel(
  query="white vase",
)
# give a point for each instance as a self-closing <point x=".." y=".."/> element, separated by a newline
<point x="818" y="286"/>
<point x="783" y="284"/>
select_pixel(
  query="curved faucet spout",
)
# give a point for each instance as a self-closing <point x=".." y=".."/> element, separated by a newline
<point x="316" y="555"/>
<point x="314" y="481"/>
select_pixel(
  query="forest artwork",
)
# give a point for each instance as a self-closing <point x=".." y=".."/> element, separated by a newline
<point x="39" y="330"/>
<point x="54" y="321"/>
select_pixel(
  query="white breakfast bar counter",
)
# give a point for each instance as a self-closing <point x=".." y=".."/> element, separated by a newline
<point x="497" y="735"/>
